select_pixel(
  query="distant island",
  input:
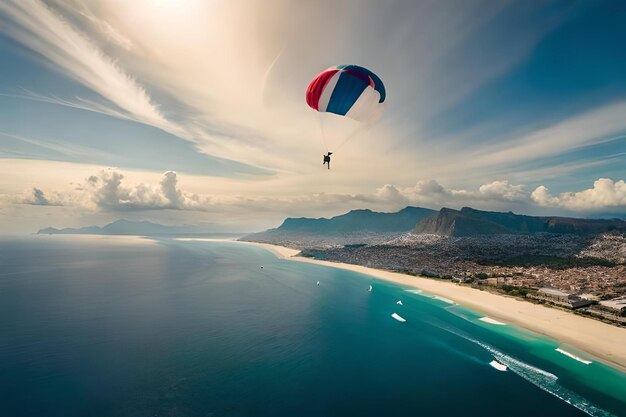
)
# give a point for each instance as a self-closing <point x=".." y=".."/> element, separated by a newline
<point x="569" y="262"/>
<point x="137" y="228"/>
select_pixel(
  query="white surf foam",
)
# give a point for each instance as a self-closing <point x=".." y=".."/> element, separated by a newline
<point x="571" y="355"/>
<point x="491" y="321"/>
<point x="444" y="299"/>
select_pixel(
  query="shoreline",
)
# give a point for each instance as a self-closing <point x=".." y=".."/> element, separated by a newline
<point x="599" y="340"/>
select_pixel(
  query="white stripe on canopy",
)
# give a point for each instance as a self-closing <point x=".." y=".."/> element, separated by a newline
<point x="328" y="91"/>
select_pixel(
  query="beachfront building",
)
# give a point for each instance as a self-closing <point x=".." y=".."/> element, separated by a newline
<point x="459" y="279"/>
<point x="560" y="298"/>
<point x="615" y="306"/>
<point x="588" y="296"/>
<point x="498" y="281"/>
<point x="614" y="309"/>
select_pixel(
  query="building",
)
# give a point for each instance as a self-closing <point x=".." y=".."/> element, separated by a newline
<point x="591" y="297"/>
<point x="617" y="306"/>
<point x="560" y="298"/>
<point x="614" y="309"/>
<point x="497" y="281"/>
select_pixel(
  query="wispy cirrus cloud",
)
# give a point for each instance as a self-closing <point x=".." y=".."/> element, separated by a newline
<point x="51" y="32"/>
<point x="59" y="147"/>
<point x="591" y="127"/>
<point x="78" y="103"/>
<point x="517" y="154"/>
<point x="35" y="25"/>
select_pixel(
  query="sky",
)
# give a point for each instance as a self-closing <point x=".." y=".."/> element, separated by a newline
<point x="193" y="111"/>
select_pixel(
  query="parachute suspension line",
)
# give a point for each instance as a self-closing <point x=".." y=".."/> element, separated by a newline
<point x="352" y="135"/>
<point x="321" y="124"/>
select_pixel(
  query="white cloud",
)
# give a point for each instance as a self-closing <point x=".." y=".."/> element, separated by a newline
<point x="39" y="28"/>
<point x="428" y="187"/>
<point x="542" y="196"/>
<point x="503" y="190"/>
<point x="169" y="190"/>
<point x="37" y="197"/>
<point x="606" y="194"/>
<point x="111" y="33"/>
<point x="433" y="193"/>
<point x="106" y="190"/>
<point x="390" y="193"/>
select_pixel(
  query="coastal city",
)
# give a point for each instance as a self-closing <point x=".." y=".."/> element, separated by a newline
<point x="551" y="269"/>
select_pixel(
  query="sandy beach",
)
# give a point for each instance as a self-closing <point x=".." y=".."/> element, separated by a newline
<point x="605" y="342"/>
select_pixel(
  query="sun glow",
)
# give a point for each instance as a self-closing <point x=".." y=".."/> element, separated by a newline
<point x="163" y="19"/>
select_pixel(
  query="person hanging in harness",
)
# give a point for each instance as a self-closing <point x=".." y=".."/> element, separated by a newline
<point x="327" y="159"/>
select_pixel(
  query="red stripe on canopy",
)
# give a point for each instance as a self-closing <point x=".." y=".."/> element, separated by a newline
<point x="316" y="88"/>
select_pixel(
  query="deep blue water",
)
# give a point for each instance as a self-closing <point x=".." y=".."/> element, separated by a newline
<point x="116" y="326"/>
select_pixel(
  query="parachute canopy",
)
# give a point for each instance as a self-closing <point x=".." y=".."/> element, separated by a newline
<point x="347" y="90"/>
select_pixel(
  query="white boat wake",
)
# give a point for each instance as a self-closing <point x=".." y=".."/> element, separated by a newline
<point x="538" y="377"/>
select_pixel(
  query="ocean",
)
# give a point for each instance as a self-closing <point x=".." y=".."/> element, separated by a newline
<point x="125" y="326"/>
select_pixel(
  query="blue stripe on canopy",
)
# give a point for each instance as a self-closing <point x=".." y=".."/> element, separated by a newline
<point x="378" y="83"/>
<point x="345" y="94"/>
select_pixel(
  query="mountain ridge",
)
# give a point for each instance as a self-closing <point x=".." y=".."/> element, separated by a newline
<point x="353" y="227"/>
<point x="471" y="222"/>
<point x="355" y="220"/>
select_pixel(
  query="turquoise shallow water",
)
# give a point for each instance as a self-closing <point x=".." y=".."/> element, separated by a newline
<point x="95" y="326"/>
